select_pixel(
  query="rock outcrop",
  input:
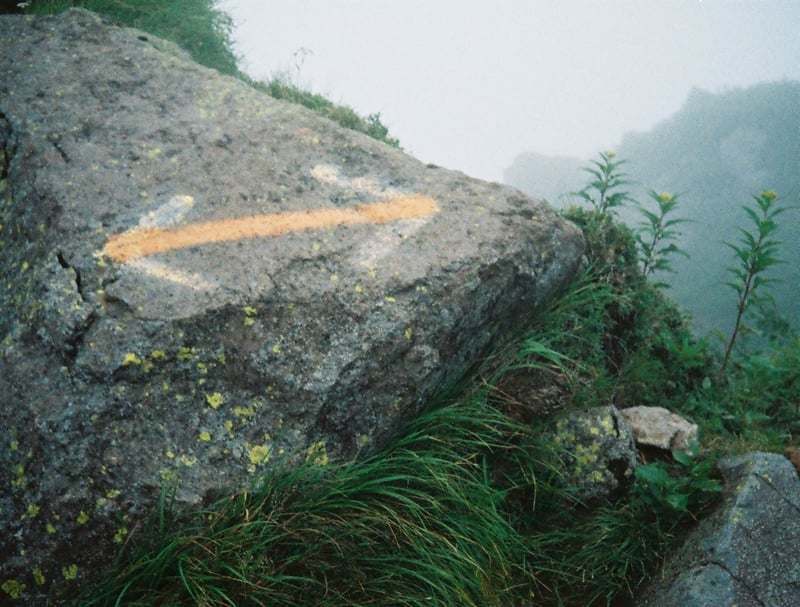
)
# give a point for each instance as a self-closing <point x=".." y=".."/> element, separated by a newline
<point x="199" y="282"/>
<point x="747" y="553"/>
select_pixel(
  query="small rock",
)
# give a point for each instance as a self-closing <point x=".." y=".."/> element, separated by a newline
<point x="658" y="427"/>
<point x="598" y="453"/>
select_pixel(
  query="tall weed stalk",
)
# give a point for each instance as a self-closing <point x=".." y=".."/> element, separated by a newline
<point x="603" y="190"/>
<point x="656" y="236"/>
<point x="755" y="253"/>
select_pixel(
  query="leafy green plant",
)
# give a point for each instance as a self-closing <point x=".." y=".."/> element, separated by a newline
<point x="762" y="403"/>
<point x="677" y="491"/>
<point x="756" y="252"/>
<point x="657" y="236"/>
<point x="603" y="192"/>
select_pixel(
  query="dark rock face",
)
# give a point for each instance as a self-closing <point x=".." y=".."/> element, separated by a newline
<point x="598" y="453"/>
<point x="747" y="553"/>
<point x="199" y="282"/>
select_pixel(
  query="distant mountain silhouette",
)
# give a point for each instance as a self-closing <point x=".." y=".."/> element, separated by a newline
<point x="550" y="178"/>
<point x="717" y="151"/>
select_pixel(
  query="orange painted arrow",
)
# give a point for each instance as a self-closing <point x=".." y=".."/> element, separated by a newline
<point x="142" y="242"/>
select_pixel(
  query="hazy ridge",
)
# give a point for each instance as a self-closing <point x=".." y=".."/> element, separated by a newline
<point x="717" y="151"/>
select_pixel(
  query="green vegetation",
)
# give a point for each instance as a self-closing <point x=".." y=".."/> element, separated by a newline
<point x="656" y="235"/>
<point x="755" y="254"/>
<point x="717" y="150"/>
<point x="205" y="32"/>
<point x="603" y="191"/>
<point x="280" y="87"/>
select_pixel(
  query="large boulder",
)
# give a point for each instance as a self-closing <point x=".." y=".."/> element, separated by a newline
<point x="199" y="282"/>
<point x="747" y="553"/>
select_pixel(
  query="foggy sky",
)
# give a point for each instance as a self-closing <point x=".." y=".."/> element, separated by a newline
<point x="469" y="84"/>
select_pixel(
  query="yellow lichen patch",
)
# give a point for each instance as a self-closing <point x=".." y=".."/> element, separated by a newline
<point x="243" y="412"/>
<point x="19" y="476"/>
<point x="71" y="572"/>
<point x="409" y="333"/>
<point x="259" y="454"/>
<point x="131" y="358"/>
<point x="113" y="494"/>
<point x="119" y="536"/>
<point x="204" y="437"/>
<point x="596" y="477"/>
<point x="188" y="460"/>
<point x="13" y="588"/>
<point x="608" y="424"/>
<point x="215" y="400"/>
<point x="82" y="518"/>
<point x="186" y="353"/>
<point x="317" y="454"/>
<point x="168" y="476"/>
<point x="158" y="354"/>
<point x="38" y="577"/>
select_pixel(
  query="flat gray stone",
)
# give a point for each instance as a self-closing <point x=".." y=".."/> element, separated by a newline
<point x="660" y="427"/>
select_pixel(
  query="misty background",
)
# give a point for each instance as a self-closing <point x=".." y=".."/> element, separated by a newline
<point x="469" y="84"/>
<point x="702" y="98"/>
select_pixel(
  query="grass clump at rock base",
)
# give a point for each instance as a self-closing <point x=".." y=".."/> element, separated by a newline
<point x="417" y="524"/>
<point x="458" y="511"/>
